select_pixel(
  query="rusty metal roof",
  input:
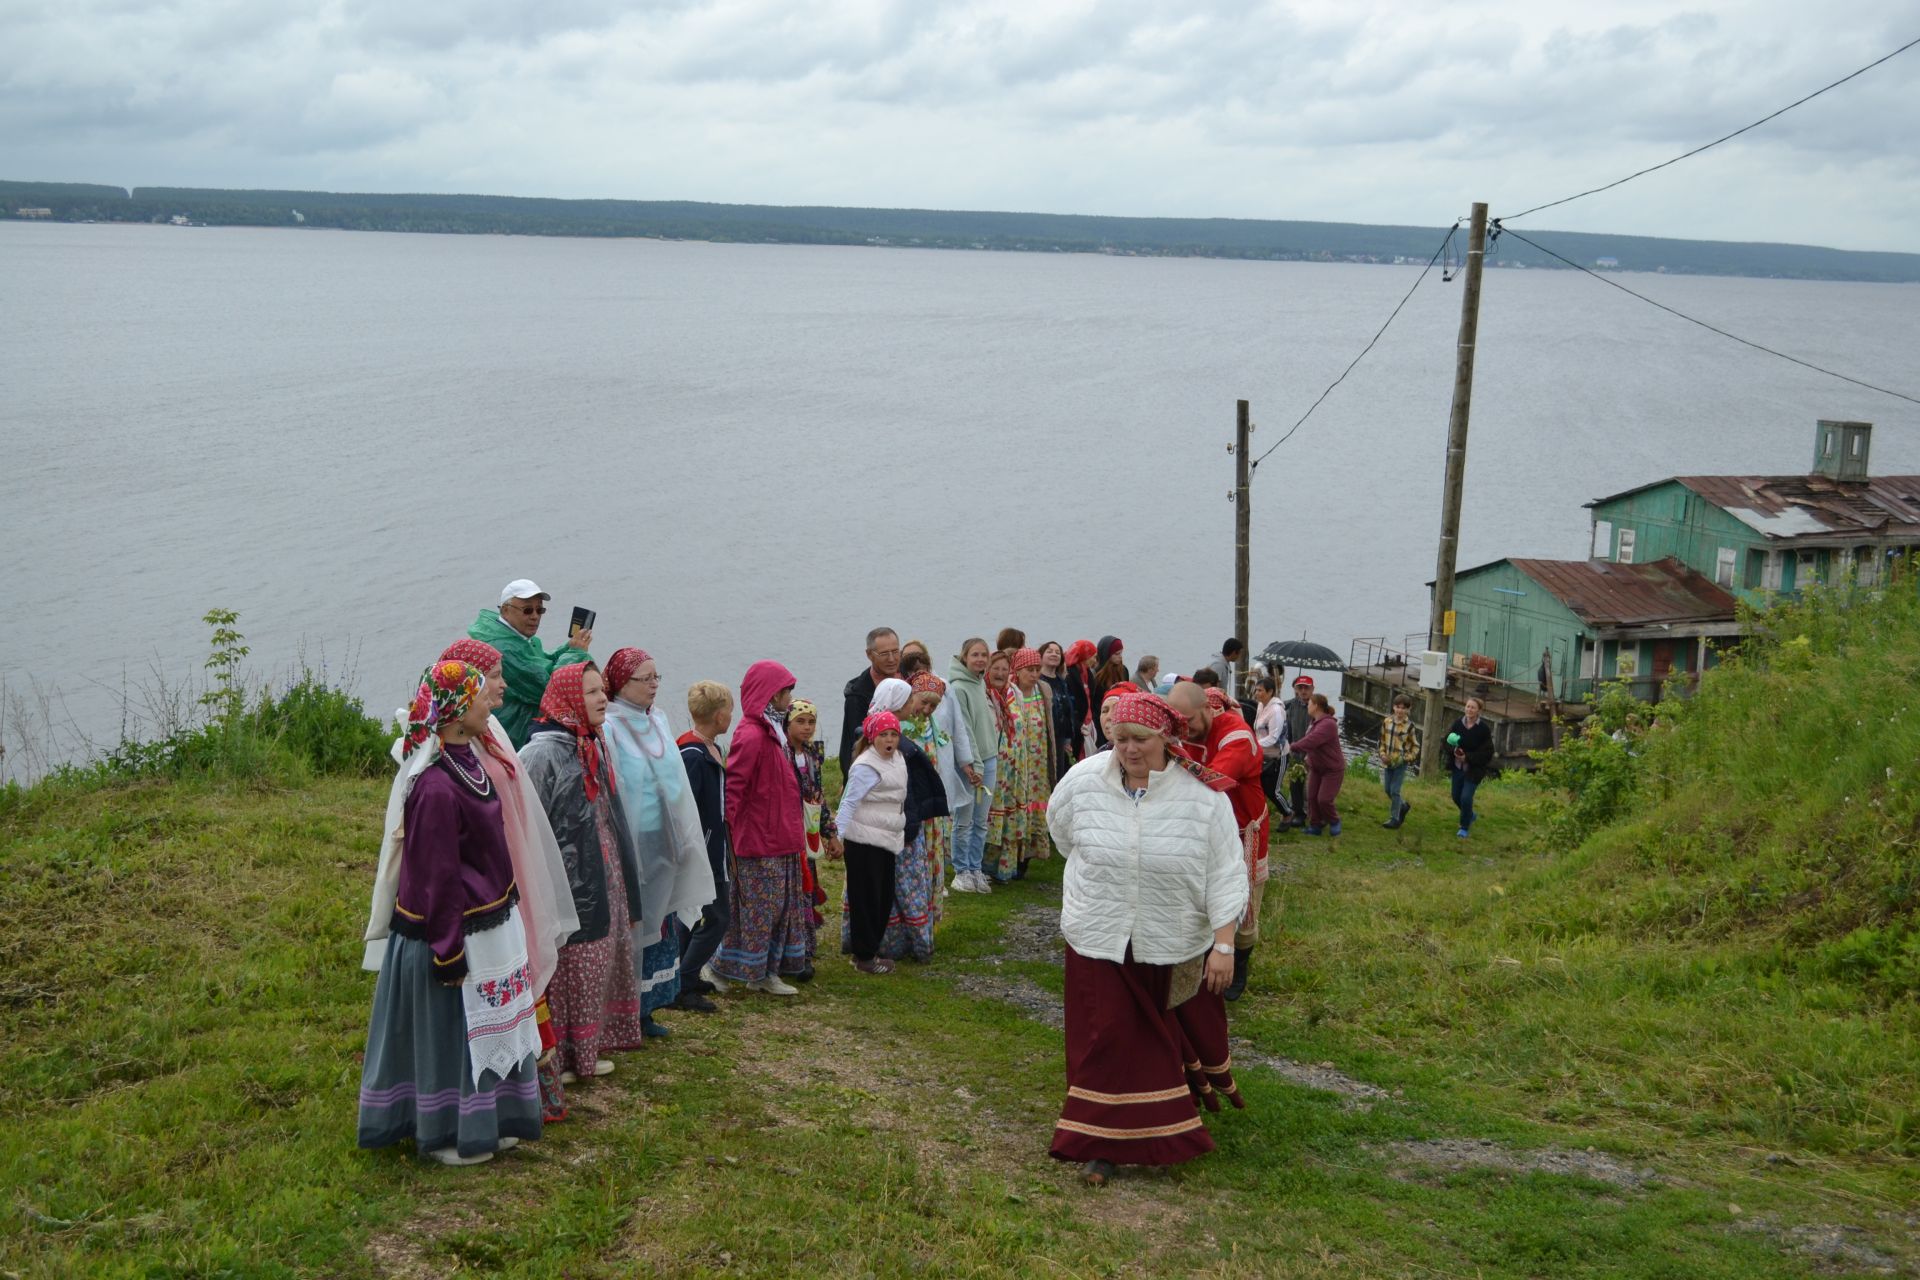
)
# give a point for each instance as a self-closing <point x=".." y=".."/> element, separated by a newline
<point x="1809" y="505"/>
<point x="1604" y="594"/>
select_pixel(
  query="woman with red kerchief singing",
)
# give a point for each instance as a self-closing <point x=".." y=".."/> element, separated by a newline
<point x="596" y="993"/>
<point x="1155" y="884"/>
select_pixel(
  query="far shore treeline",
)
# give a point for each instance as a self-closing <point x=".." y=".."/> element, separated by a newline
<point x="924" y="228"/>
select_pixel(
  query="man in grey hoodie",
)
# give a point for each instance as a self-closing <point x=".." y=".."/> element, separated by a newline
<point x="967" y="690"/>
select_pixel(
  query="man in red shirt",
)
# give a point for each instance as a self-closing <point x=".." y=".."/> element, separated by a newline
<point x="1220" y="738"/>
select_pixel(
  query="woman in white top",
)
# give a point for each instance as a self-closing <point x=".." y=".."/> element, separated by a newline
<point x="1155" y="885"/>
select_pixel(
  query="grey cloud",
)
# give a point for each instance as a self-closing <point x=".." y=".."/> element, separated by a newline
<point x="1122" y="106"/>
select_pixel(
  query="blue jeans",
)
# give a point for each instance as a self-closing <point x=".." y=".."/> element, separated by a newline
<point x="970" y="841"/>
<point x="1392" y="777"/>
<point x="1463" y="789"/>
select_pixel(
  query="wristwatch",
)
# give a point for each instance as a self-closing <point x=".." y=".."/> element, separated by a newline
<point x="1223" y="948"/>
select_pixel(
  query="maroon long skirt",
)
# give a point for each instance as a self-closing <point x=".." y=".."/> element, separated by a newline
<point x="1137" y="1071"/>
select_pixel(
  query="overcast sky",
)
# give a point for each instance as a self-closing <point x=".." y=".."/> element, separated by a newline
<point x="1352" y="111"/>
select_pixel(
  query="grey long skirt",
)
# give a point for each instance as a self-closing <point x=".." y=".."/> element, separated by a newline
<point x="417" y="1082"/>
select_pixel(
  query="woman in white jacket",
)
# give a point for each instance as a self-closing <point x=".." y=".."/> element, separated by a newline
<point x="1155" y="885"/>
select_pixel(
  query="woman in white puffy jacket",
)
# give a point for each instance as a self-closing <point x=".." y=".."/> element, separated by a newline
<point x="1155" y="885"/>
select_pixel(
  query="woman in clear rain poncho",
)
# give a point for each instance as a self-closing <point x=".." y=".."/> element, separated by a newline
<point x="663" y="825"/>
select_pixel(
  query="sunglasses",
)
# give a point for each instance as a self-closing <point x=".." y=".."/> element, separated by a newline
<point x="531" y="609"/>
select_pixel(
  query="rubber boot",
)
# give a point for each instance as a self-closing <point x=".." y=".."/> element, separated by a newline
<point x="1242" y="961"/>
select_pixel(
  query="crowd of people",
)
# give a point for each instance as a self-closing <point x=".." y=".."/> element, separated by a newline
<point x="557" y="867"/>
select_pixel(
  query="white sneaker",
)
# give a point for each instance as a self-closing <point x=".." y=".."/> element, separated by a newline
<point x="718" y="983"/>
<point x="773" y="986"/>
<point x="981" y="884"/>
<point x="451" y="1155"/>
<point x="962" y="883"/>
<point x="603" y="1066"/>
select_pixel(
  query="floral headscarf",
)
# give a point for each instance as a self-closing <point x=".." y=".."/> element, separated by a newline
<point x="801" y="707"/>
<point x="565" y="704"/>
<point x="446" y="690"/>
<point x="1157" y="714"/>
<point x="927" y="682"/>
<point x="478" y="653"/>
<point x="622" y="665"/>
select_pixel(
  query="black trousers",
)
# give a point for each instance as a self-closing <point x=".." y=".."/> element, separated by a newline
<point x="699" y="944"/>
<point x="869" y="896"/>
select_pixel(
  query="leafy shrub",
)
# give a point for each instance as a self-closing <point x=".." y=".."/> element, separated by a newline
<point x="323" y="725"/>
<point x="1593" y="776"/>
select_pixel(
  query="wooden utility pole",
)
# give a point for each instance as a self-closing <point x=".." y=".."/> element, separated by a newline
<point x="1432" y="748"/>
<point x="1242" y="538"/>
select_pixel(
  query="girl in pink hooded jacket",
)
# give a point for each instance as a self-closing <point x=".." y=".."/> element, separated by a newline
<point x="767" y="936"/>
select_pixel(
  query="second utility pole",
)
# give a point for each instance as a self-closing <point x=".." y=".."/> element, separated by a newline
<point x="1242" y="538"/>
<point x="1432" y="749"/>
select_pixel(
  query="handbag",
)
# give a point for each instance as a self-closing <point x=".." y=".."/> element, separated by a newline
<point x="1184" y="979"/>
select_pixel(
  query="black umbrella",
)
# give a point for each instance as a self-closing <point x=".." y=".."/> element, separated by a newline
<point x="1301" y="653"/>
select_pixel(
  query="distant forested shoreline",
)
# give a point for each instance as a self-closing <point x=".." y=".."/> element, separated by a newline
<point x="1247" y="238"/>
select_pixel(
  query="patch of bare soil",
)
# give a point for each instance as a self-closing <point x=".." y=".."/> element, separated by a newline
<point x="1830" y="1248"/>
<point x="1024" y="994"/>
<point x="410" y="1250"/>
<point x="1458" y="1154"/>
<point x="1033" y="934"/>
<point x="1324" y="1076"/>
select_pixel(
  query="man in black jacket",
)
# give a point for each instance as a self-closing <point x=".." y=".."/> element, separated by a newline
<point x="883" y="662"/>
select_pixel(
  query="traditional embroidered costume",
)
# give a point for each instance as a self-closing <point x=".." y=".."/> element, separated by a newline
<point x="452" y="1041"/>
<point x="1017" y="830"/>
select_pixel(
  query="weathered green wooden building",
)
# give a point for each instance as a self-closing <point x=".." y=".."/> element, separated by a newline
<point x="1668" y="562"/>
<point x="1561" y="625"/>
<point x="1762" y="535"/>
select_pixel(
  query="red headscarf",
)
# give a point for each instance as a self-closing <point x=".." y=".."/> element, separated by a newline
<point x="484" y="657"/>
<point x="565" y="703"/>
<point x="1079" y="651"/>
<point x="1217" y="700"/>
<point x="622" y="665"/>
<point x="1157" y="714"/>
<point x="927" y="682"/>
<point x="475" y="653"/>
<point x="1124" y="687"/>
<point x="1024" y="658"/>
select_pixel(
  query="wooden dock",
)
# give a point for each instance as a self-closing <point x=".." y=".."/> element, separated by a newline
<point x="1520" y="715"/>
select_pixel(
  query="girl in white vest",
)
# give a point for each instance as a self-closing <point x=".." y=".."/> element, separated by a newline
<point x="873" y="823"/>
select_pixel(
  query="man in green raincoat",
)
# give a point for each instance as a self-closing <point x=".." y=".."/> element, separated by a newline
<point x="523" y="661"/>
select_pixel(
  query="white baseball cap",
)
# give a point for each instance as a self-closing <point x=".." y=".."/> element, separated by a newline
<point x="522" y="589"/>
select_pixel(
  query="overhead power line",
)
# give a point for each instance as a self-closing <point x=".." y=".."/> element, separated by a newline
<point x="1745" y="342"/>
<point x="1451" y="231"/>
<point x="1580" y="195"/>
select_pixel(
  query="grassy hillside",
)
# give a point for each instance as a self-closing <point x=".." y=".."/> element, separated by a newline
<point x="1685" y="1046"/>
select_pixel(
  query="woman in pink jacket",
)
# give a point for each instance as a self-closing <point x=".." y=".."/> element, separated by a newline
<point x="1326" y="766"/>
<point x="768" y="933"/>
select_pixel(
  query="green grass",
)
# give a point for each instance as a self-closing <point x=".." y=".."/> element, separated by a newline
<point x="184" y="1014"/>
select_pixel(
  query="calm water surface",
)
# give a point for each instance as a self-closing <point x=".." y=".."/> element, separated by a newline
<point x="736" y="452"/>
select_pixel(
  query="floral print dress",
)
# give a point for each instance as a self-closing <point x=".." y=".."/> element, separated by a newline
<point x="1017" y="828"/>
